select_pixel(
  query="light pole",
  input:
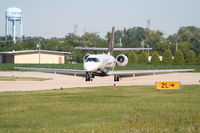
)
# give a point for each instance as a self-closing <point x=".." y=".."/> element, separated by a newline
<point x="176" y="45"/>
<point x="143" y="44"/>
<point x="39" y="46"/>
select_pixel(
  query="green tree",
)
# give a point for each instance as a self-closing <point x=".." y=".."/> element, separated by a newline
<point x="132" y="57"/>
<point x="190" y="34"/>
<point x="160" y="48"/>
<point x="155" y="58"/>
<point x="143" y="58"/>
<point x="131" y="37"/>
<point x="93" y="40"/>
<point x="198" y="60"/>
<point x="167" y="57"/>
<point x="179" y="58"/>
<point x="191" y="58"/>
<point x="184" y="47"/>
<point x="153" y="38"/>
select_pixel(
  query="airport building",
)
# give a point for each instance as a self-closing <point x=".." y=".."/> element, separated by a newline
<point x="33" y="57"/>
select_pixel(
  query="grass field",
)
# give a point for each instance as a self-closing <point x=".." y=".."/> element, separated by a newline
<point x="130" y="109"/>
<point x="5" y="78"/>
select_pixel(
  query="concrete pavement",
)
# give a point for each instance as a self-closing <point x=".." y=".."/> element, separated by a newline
<point x="66" y="81"/>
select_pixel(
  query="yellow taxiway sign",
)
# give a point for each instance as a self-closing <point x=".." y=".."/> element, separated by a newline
<point x="168" y="85"/>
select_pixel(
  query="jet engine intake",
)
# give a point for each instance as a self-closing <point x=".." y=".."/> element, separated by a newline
<point x="122" y="60"/>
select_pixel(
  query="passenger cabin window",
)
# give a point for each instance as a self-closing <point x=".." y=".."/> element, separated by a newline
<point x="92" y="60"/>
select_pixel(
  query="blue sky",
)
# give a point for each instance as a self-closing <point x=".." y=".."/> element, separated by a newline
<point x="56" y="18"/>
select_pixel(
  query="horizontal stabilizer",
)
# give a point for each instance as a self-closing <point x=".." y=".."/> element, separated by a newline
<point x="115" y="49"/>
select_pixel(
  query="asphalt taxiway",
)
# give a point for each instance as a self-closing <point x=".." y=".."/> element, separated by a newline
<point x="59" y="81"/>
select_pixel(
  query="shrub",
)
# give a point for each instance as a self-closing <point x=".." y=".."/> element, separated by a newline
<point x="143" y="59"/>
<point x="191" y="58"/>
<point x="167" y="57"/>
<point x="132" y="57"/>
<point x="179" y="58"/>
<point x="155" y="58"/>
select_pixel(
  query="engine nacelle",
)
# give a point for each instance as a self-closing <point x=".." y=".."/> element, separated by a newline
<point x="122" y="60"/>
<point x="85" y="57"/>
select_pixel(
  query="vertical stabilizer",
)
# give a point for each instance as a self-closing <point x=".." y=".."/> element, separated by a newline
<point x="111" y="41"/>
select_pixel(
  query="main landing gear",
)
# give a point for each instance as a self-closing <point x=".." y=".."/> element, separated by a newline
<point x="89" y="77"/>
<point x="116" y="78"/>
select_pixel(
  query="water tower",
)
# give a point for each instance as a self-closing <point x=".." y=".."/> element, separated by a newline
<point x="13" y="15"/>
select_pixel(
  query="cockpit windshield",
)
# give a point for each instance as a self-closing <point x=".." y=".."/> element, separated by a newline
<point x="92" y="60"/>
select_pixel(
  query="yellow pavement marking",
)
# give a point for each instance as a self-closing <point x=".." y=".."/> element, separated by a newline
<point x="130" y="79"/>
<point x="7" y="82"/>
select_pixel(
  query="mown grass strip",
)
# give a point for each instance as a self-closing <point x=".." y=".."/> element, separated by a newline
<point x="102" y="109"/>
<point x="5" y="78"/>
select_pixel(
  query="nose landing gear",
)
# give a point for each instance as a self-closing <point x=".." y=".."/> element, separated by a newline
<point x="89" y="77"/>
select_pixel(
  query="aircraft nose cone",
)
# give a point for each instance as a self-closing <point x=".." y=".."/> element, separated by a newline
<point x="90" y="67"/>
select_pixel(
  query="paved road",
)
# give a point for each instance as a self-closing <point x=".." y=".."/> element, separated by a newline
<point x="65" y="81"/>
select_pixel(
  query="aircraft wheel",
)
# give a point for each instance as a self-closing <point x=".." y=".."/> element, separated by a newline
<point x="116" y="78"/>
<point x="88" y="77"/>
<point x="93" y="76"/>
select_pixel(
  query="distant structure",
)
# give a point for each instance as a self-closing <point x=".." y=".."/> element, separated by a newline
<point x="34" y="57"/>
<point x="148" y="24"/>
<point x="76" y="29"/>
<point x="14" y="15"/>
<point x="84" y="31"/>
<point x="120" y="42"/>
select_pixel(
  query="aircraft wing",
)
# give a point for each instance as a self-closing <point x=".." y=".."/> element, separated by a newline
<point x="65" y="71"/>
<point x="120" y="72"/>
<point x="115" y="49"/>
<point x="131" y="72"/>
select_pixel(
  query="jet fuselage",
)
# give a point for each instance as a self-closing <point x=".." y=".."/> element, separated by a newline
<point x="99" y="62"/>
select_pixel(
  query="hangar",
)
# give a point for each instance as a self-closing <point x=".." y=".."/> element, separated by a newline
<point x="33" y="57"/>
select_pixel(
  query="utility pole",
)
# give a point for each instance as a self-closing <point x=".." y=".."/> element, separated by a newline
<point x="176" y="45"/>
<point x="84" y="31"/>
<point x="148" y="24"/>
<point x="142" y="43"/>
<point x="120" y="42"/>
<point x="76" y="29"/>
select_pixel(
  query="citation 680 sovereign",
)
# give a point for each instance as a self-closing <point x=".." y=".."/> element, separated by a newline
<point x="103" y="64"/>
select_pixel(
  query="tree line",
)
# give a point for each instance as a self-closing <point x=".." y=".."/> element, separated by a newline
<point x="166" y="59"/>
<point x="185" y="41"/>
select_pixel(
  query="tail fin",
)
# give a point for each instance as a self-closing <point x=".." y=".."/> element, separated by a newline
<point x="111" y="42"/>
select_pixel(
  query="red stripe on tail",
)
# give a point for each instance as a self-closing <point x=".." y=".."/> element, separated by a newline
<point x="111" y="41"/>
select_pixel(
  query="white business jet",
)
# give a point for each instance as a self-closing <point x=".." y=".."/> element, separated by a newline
<point x="103" y="64"/>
